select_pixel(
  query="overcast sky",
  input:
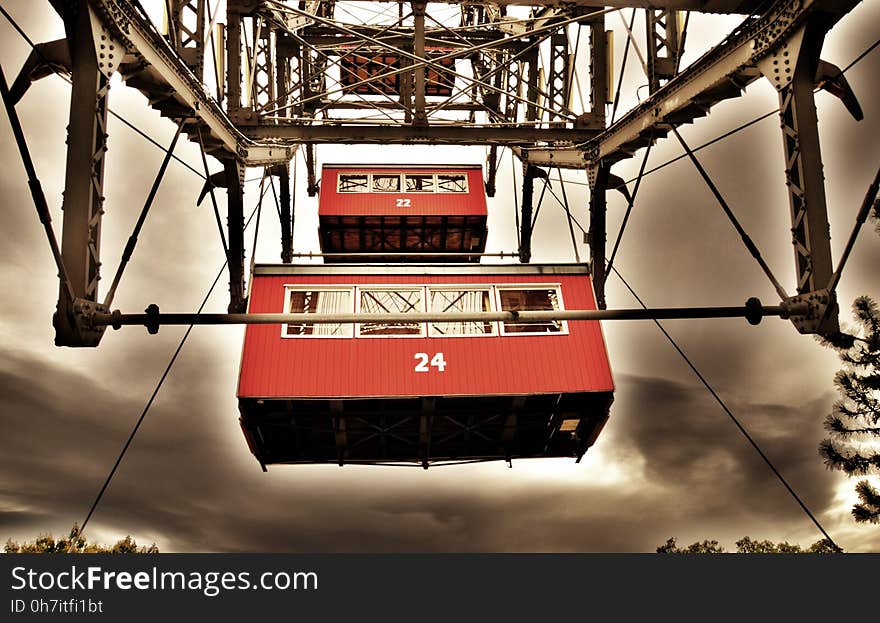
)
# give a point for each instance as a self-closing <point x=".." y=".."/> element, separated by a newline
<point x="669" y="462"/>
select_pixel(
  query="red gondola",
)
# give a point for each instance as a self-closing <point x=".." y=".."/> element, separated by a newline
<point x="419" y="392"/>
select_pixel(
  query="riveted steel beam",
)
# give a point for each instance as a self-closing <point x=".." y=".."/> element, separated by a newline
<point x="83" y="204"/>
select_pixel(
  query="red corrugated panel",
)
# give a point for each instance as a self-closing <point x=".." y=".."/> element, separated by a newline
<point x="333" y="203"/>
<point x="274" y="367"/>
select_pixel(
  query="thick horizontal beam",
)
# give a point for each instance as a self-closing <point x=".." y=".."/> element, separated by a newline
<point x="434" y="135"/>
<point x="753" y="311"/>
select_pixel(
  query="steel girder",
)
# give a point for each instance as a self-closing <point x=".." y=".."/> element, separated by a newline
<point x="83" y="204"/>
<point x="187" y="25"/>
<point x="664" y="46"/>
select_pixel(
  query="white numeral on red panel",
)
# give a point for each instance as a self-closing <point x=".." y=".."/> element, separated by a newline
<point x="404" y="203"/>
<point x="437" y="361"/>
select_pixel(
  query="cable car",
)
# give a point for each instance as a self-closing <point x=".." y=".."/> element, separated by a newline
<point x="409" y="391"/>
<point x="409" y="212"/>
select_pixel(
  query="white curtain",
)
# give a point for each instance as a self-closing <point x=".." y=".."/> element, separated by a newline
<point x="333" y="302"/>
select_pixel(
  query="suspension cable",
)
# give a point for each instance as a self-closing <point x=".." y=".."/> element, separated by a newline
<point x="36" y="188"/>
<point x="515" y="198"/>
<point x="629" y="207"/>
<point x="632" y="21"/>
<point x="861" y="217"/>
<point x="577" y="256"/>
<point x="733" y="418"/>
<point x="213" y="196"/>
<point x="132" y="240"/>
<point x="155" y="392"/>
<point x="747" y="241"/>
<point x="726" y="409"/>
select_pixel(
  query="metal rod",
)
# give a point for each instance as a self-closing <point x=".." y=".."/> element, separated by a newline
<point x="860" y="220"/>
<point x="117" y="319"/>
<point x="211" y="191"/>
<point x="747" y="241"/>
<point x="577" y="256"/>
<point x="132" y="240"/>
<point x="36" y="188"/>
<point x="630" y="204"/>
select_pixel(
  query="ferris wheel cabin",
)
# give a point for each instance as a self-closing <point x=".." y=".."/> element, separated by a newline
<point x="411" y="391"/>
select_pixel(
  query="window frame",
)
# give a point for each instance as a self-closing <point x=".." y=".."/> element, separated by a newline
<point x="402" y="184"/>
<point x="392" y="287"/>
<point x="353" y="192"/>
<point x="563" y="330"/>
<point x="290" y="288"/>
<point x="433" y="190"/>
<point x="466" y="190"/>
<point x="490" y="288"/>
<point x="425" y="327"/>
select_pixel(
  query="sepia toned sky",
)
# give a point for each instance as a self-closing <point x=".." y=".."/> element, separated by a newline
<point x="669" y="462"/>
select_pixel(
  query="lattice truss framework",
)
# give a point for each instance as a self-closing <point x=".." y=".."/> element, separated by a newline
<point x="536" y="77"/>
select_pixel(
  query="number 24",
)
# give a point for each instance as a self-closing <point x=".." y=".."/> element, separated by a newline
<point x="437" y="361"/>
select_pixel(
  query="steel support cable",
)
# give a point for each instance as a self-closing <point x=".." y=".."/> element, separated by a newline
<point x="128" y="251"/>
<point x="747" y="241"/>
<point x="125" y="121"/>
<point x="343" y="72"/>
<point x="490" y="74"/>
<point x="861" y="217"/>
<point x="626" y="47"/>
<point x="732" y="417"/>
<point x="155" y="393"/>
<point x="724" y="406"/>
<point x="275" y="198"/>
<point x="632" y="37"/>
<point x="211" y="19"/>
<point x="211" y="192"/>
<point x="36" y="188"/>
<point x="573" y="81"/>
<point x="629" y="207"/>
<point x="541" y="201"/>
<point x="681" y="41"/>
<point x="515" y="197"/>
<point x="257" y="226"/>
<point x="577" y="255"/>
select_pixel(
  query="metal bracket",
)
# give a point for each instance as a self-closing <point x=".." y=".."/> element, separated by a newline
<point x="109" y="50"/>
<point x="779" y="66"/>
<point x="813" y="312"/>
<point x="79" y="318"/>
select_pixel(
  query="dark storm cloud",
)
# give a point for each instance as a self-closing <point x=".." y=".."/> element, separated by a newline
<point x="690" y="444"/>
<point x="188" y="481"/>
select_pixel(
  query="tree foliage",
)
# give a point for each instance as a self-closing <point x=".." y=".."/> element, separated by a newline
<point x="75" y="543"/>
<point x="853" y="443"/>
<point x="747" y="546"/>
